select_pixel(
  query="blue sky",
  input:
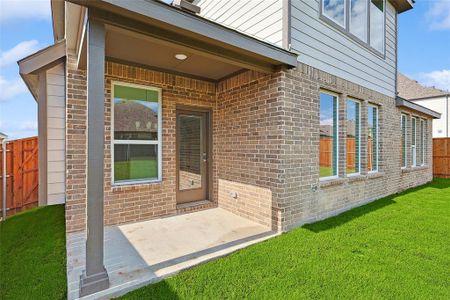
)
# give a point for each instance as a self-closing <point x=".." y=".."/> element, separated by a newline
<point x="25" y="27"/>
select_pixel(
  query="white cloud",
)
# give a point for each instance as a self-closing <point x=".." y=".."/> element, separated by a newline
<point x="19" y="129"/>
<point x="13" y="10"/>
<point x="28" y="125"/>
<point x="438" y="15"/>
<point x="439" y="79"/>
<point x="19" y="51"/>
<point x="326" y="121"/>
<point x="11" y="88"/>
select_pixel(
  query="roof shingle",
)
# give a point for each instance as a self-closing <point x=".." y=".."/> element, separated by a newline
<point x="410" y="89"/>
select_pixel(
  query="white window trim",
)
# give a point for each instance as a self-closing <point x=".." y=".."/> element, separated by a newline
<point x="414" y="146"/>
<point x="377" y="152"/>
<point x="136" y="142"/>
<point x="359" y="136"/>
<point x="423" y="144"/>
<point x="337" y="136"/>
<point x="405" y="164"/>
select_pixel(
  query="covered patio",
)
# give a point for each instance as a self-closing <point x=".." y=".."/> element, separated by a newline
<point x="182" y="66"/>
<point x="140" y="253"/>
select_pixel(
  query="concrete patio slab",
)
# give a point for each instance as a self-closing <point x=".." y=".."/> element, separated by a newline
<point x="146" y="252"/>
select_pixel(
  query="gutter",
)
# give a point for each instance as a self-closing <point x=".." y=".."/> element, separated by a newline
<point x="401" y="102"/>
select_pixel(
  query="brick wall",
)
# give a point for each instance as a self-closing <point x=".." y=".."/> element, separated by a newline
<point x="149" y="200"/>
<point x="248" y="140"/>
<point x="265" y="131"/>
<point x="132" y="202"/>
<point x="76" y="125"/>
<point x="305" y="197"/>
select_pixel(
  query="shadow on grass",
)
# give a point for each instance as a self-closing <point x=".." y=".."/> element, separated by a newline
<point x="336" y="221"/>
<point x="440" y="183"/>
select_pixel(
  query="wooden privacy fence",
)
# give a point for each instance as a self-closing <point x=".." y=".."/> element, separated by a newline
<point x="326" y="152"/>
<point x="21" y="175"/>
<point x="441" y="157"/>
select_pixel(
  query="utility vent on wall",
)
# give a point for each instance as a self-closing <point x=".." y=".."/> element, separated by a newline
<point x="186" y="5"/>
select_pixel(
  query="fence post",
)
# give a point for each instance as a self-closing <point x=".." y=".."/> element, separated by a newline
<point x="4" y="179"/>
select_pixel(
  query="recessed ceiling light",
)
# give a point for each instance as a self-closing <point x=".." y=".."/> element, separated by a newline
<point x="180" y="56"/>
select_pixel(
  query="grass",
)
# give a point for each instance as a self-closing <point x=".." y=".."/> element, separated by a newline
<point x="33" y="255"/>
<point x="325" y="171"/>
<point x="395" y="248"/>
<point x="135" y="169"/>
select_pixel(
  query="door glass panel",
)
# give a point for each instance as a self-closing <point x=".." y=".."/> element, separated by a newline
<point x="189" y="175"/>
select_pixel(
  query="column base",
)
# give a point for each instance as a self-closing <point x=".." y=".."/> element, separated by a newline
<point x="93" y="283"/>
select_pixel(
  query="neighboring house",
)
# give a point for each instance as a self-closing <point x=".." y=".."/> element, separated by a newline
<point x="430" y="97"/>
<point x="148" y="110"/>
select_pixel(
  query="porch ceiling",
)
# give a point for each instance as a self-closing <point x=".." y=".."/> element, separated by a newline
<point x="136" y="48"/>
<point x="151" y="32"/>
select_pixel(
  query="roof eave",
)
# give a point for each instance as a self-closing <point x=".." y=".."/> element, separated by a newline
<point x="403" y="5"/>
<point x="401" y="102"/>
<point x="167" y="15"/>
<point x="58" y="22"/>
<point x="30" y="66"/>
<point x="28" y="79"/>
<point x="430" y="97"/>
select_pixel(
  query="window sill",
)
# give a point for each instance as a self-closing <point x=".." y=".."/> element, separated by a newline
<point x="375" y="175"/>
<point x="134" y="184"/>
<point x="331" y="182"/>
<point x="356" y="177"/>
<point x="412" y="169"/>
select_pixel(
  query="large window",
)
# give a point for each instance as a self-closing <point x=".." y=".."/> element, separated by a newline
<point x="136" y="133"/>
<point x="414" y="142"/>
<point x="423" y="143"/>
<point x="377" y="24"/>
<point x="328" y="135"/>
<point x="372" y="138"/>
<point x="365" y="21"/>
<point x="404" y="140"/>
<point x="353" y="137"/>
<point x="358" y="19"/>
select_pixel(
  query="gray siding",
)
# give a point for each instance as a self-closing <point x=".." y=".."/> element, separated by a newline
<point x="56" y="128"/>
<point x="326" y="48"/>
<point x="258" y="18"/>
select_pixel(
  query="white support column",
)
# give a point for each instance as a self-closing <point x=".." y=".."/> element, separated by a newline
<point x="95" y="278"/>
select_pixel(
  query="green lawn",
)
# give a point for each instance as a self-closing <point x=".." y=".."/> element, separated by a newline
<point x="33" y="255"/>
<point x="135" y="169"/>
<point x="394" y="248"/>
<point x="397" y="248"/>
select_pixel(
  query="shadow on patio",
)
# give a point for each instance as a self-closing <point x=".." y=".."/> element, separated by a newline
<point x="141" y="253"/>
